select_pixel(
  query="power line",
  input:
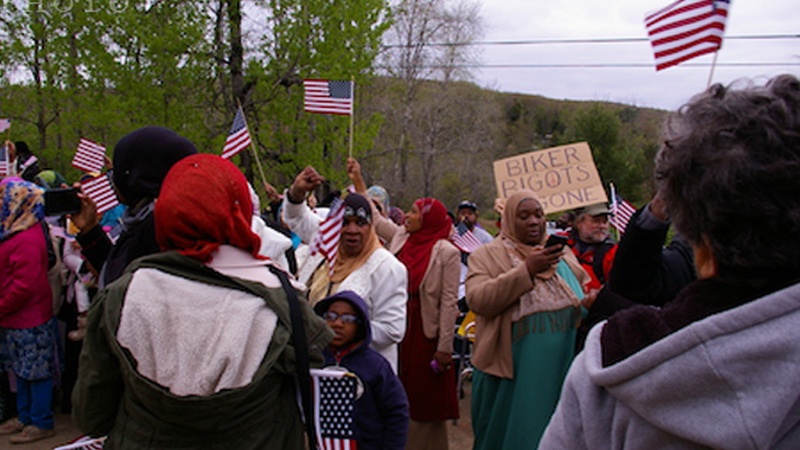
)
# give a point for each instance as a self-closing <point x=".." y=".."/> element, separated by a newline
<point x="623" y="40"/>
<point x="606" y="65"/>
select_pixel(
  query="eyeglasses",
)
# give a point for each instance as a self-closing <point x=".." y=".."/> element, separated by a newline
<point x="331" y="316"/>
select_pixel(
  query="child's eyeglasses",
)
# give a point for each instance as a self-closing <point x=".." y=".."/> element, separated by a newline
<point x="331" y="316"/>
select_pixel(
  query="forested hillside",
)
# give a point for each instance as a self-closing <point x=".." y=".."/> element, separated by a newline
<point x="100" y="70"/>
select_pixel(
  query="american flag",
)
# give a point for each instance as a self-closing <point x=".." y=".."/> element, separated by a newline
<point x="622" y="213"/>
<point x="5" y="124"/>
<point x="83" y="443"/>
<point x="238" y="137"/>
<point x="686" y="29"/>
<point x="101" y="192"/>
<point x="328" y="97"/>
<point x="464" y="239"/>
<point x="5" y="164"/>
<point x="330" y="230"/>
<point x="335" y="395"/>
<point x="90" y="156"/>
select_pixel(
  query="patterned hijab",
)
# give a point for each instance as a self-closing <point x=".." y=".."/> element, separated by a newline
<point x="416" y="253"/>
<point x="21" y="206"/>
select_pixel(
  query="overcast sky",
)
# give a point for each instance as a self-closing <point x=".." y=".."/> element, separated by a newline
<point x="519" y="20"/>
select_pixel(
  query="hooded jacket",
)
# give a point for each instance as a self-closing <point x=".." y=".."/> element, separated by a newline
<point x="239" y="390"/>
<point x="729" y="380"/>
<point x="382" y="410"/>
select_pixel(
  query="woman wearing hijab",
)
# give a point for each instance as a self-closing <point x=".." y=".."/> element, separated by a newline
<point x="191" y="348"/>
<point x="527" y="300"/>
<point x="426" y="363"/>
<point x="27" y="342"/>
<point x="142" y="159"/>
<point x="361" y="264"/>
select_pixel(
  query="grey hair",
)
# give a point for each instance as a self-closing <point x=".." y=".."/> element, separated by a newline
<point x="729" y="171"/>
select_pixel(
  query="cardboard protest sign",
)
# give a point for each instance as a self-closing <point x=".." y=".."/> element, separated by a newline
<point x="563" y="177"/>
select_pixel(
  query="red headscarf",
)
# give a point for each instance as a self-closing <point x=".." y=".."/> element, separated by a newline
<point x="204" y="202"/>
<point x="416" y="253"/>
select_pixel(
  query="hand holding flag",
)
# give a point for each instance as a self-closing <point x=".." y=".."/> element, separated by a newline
<point x="101" y="192"/>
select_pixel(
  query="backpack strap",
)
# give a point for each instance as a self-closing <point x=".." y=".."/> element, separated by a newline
<point x="301" y="352"/>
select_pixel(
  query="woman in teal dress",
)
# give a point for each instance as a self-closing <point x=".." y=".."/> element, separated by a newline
<point x="527" y="301"/>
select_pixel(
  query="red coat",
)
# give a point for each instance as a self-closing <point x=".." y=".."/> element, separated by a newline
<point x="25" y="297"/>
<point x="586" y="259"/>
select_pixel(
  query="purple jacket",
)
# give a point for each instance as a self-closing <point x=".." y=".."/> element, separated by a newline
<point x="25" y="297"/>
<point x="382" y="411"/>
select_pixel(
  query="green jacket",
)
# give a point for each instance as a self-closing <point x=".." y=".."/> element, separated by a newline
<point x="112" y="398"/>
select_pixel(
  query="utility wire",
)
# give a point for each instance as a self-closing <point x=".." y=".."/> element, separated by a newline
<point x="604" y="65"/>
<point x="623" y="40"/>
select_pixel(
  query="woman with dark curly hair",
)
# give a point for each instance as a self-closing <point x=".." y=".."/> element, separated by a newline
<point x="718" y="366"/>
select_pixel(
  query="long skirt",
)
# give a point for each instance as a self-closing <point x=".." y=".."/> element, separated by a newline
<point x="28" y="352"/>
<point x="512" y="414"/>
<point x="431" y="396"/>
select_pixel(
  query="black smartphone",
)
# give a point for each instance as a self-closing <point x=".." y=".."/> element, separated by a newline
<point x="555" y="239"/>
<point x="61" y="201"/>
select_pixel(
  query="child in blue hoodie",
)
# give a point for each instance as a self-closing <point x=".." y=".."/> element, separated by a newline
<point x="381" y="412"/>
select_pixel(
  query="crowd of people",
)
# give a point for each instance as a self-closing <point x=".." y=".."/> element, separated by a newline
<point x="190" y="317"/>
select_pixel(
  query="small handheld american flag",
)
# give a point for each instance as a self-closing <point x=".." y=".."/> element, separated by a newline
<point x="90" y="156"/>
<point x="239" y="136"/>
<point x="101" y="192"/>
<point x="326" y="241"/>
<point x="622" y="213"/>
<point x="465" y="240"/>
<point x="84" y="443"/>
<point x="328" y="97"/>
<point x="335" y="394"/>
<point x="5" y="165"/>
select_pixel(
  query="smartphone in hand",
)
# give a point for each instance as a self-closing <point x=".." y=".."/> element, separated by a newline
<point x="61" y="201"/>
<point x="557" y="240"/>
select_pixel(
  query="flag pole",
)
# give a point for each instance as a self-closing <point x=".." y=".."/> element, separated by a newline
<point x="614" y="207"/>
<point x="352" y="110"/>
<point x="252" y="145"/>
<point x="713" y="65"/>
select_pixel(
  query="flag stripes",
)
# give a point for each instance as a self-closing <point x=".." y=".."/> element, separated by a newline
<point x="5" y="163"/>
<point x="466" y="242"/>
<point x="686" y="29"/>
<point x="622" y="213"/>
<point x="84" y="443"/>
<point x="239" y="136"/>
<point x="335" y="394"/>
<point x="328" y="97"/>
<point x="326" y="241"/>
<point x="90" y="156"/>
<point x="101" y="192"/>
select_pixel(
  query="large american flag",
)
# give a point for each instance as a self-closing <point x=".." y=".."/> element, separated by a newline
<point x="622" y="213"/>
<point x="90" y="156"/>
<point x="239" y="136"/>
<point x="330" y="230"/>
<point x="686" y="29"/>
<point x="5" y="164"/>
<point x="101" y="192"/>
<point x="335" y="395"/>
<point x="328" y="97"/>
